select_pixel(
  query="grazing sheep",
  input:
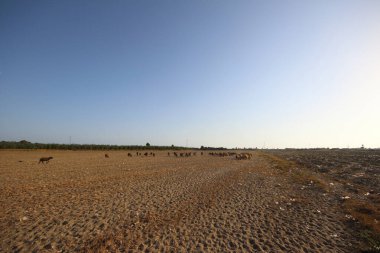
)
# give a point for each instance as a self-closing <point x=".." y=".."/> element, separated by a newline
<point x="180" y="154"/>
<point x="201" y="153"/>
<point x="153" y="154"/>
<point x="106" y="156"/>
<point x="146" y="154"/>
<point x="243" y="156"/>
<point x="168" y="153"/>
<point x="129" y="154"/>
<point x="175" y="154"/>
<point x="45" y="159"/>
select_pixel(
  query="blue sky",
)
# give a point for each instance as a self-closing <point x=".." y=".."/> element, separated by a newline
<point x="213" y="73"/>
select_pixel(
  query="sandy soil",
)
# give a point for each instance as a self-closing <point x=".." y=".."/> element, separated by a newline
<point x="81" y="201"/>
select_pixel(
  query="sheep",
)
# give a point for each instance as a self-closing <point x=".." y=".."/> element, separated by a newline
<point x="129" y="154"/>
<point x="243" y="156"/>
<point x="45" y="159"/>
<point x="106" y="156"/>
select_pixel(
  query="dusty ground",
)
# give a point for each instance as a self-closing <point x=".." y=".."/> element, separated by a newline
<point x="81" y="201"/>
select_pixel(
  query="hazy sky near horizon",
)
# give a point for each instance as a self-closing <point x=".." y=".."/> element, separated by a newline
<point x="213" y="73"/>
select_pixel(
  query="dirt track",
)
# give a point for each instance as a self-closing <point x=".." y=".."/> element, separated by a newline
<point x="81" y="201"/>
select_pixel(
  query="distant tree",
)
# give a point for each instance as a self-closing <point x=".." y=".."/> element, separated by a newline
<point x="202" y="147"/>
<point x="147" y="144"/>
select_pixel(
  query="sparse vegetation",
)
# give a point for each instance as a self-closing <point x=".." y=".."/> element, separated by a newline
<point x="342" y="172"/>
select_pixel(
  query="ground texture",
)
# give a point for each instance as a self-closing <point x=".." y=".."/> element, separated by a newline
<point x="82" y="201"/>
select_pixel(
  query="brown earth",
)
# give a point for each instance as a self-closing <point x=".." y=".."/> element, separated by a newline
<point x="82" y="201"/>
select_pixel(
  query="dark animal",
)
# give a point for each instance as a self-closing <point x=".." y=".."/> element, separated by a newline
<point x="175" y="154"/>
<point x="106" y="156"/>
<point x="153" y="154"/>
<point x="45" y="159"/>
<point x="168" y="153"/>
<point x="129" y="154"/>
<point x="146" y="154"/>
<point x="201" y="153"/>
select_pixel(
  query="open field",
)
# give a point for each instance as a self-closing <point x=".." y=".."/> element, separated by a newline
<point x="82" y="201"/>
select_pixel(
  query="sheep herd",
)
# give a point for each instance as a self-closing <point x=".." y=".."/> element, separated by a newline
<point x="241" y="156"/>
<point x="238" y="156"/>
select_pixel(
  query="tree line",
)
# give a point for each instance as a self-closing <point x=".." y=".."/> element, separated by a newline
<point x="29" y="145"/>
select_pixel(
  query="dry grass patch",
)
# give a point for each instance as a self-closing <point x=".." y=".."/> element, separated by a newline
<point x="299" y="174"/>
<point x="366" y="213"/>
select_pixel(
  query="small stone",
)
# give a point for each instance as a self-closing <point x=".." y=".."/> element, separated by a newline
<point x="349" y="217"/>
<point x="24" y="218"/>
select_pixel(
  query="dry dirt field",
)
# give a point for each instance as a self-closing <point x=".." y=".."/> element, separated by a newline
<point x="83" y="202"/>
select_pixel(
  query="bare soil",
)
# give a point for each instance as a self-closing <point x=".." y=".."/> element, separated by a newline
<point x="83" y="202"/>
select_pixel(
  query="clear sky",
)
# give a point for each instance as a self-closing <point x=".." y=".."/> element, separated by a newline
<point x="209" y="72"/>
